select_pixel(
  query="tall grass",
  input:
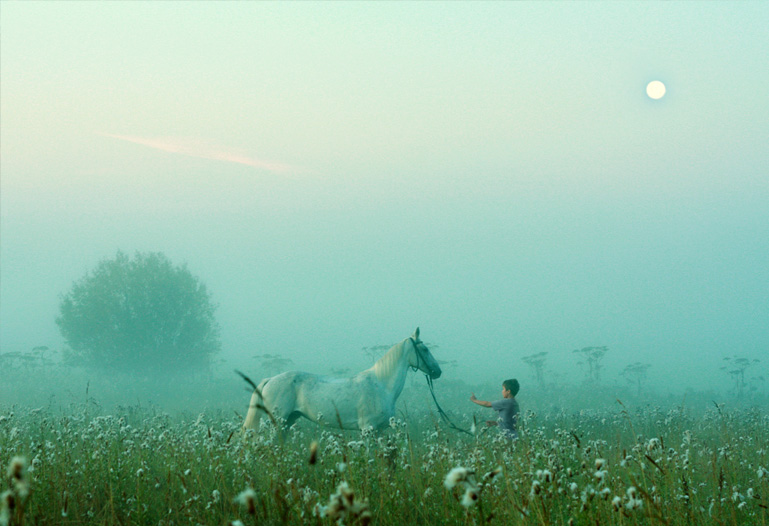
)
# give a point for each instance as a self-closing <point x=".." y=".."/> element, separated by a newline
<point x="612" y="466"/>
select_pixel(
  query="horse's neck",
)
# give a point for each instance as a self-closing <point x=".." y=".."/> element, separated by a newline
<point x="391" y="369"/>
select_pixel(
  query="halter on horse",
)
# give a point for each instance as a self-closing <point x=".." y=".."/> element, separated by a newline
<point x="366" y="399"/>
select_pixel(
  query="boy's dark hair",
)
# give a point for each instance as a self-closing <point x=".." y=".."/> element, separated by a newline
<point x="512" y="385"/>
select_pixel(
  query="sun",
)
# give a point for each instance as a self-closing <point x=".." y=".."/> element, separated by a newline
<point x="655" y="89"/>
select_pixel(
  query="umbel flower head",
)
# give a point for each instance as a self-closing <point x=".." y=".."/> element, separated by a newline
<point x="345" y="508"/>
<point x="16" y="469"/>
<point x="14" y="497"/>
<point x="7" y="505"/>
<point x="456" y="476"/>
<point x="491" y="475"/>
<point x="634" y="502"/>
<point x="466" y="477"/>
<point x="470" y="497"/>
<point x="247" y="498"/>
<point x="17" y="477"/>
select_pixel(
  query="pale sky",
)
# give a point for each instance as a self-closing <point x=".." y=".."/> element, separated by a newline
<point x="340" y="173"/>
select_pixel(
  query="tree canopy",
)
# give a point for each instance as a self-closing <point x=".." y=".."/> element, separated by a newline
<point x="140" y="314"/>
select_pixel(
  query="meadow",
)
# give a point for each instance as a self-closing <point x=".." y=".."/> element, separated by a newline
<point x="81" y="463"/>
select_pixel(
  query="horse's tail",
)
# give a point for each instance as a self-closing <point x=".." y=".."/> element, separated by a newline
<point x="257" y="403"/>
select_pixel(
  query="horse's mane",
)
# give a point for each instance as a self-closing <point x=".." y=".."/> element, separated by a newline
<point x="384" y="366"/>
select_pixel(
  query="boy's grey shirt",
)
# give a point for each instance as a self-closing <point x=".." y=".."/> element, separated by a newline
<point x="508" y="414"/>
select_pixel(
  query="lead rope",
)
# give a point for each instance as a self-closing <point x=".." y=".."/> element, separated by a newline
<point x="441" y="412"/>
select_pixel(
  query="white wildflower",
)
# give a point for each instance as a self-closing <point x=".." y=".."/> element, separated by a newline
<point x="7" y="503"/>
<point x="493" y="473"/>
<point x="17" y="468"/>
<point x="653" y="443"/>
<point x="455" y="476"/>
<point x="535" y="488"/>
<point x="343" y="504"/>
<point x="633" y="502"/>
<point x="247" y="498"/>
<point x="470" y="497"/>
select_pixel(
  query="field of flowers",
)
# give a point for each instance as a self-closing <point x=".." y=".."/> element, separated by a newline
<point x="613" y="466"/>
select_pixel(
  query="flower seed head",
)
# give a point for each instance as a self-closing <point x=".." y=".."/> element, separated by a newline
<point x="455" y="476"/>
<point x="247" y="498"/>
<point x="16" y="468"/>
<point x="493" y="473"/>
<point x="470" y="497"/>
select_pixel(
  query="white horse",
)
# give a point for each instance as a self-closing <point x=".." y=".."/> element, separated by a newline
<point x="366" y="399"/>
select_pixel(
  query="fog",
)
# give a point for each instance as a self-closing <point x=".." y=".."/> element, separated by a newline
<point x="339" y="174"/>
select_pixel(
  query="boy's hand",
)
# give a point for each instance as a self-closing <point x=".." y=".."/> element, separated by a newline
<point x="472" y="397"/>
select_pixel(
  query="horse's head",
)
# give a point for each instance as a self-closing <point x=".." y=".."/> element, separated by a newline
<point x="422" y="358"/>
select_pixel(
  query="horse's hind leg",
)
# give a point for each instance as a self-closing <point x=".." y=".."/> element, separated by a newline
<point x="256" y="407"/>
<point x="252" y="417"/>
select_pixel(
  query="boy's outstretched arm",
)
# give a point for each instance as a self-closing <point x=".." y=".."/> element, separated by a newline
<point x="474" y="400"/>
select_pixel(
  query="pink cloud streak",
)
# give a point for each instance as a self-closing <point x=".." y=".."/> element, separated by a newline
<point x="202" y="150"/>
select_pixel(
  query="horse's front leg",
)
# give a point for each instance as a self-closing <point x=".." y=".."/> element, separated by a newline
<point x="377" y="421"/>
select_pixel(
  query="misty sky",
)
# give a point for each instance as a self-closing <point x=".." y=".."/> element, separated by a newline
<point x="340" y="173"/>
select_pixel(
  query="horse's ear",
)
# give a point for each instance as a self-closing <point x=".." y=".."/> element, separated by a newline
<point x="416" y="334"/>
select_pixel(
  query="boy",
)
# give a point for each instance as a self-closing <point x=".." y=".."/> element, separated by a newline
<point x="507" y="408"/>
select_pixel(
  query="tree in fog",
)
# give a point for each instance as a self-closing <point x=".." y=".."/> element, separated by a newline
<point x="635" y="373"/>
<point x="537" y="362"/>
<point x="139" y="315"/>
<point x="592" y="356"/>
<point x="735" y="368"/>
